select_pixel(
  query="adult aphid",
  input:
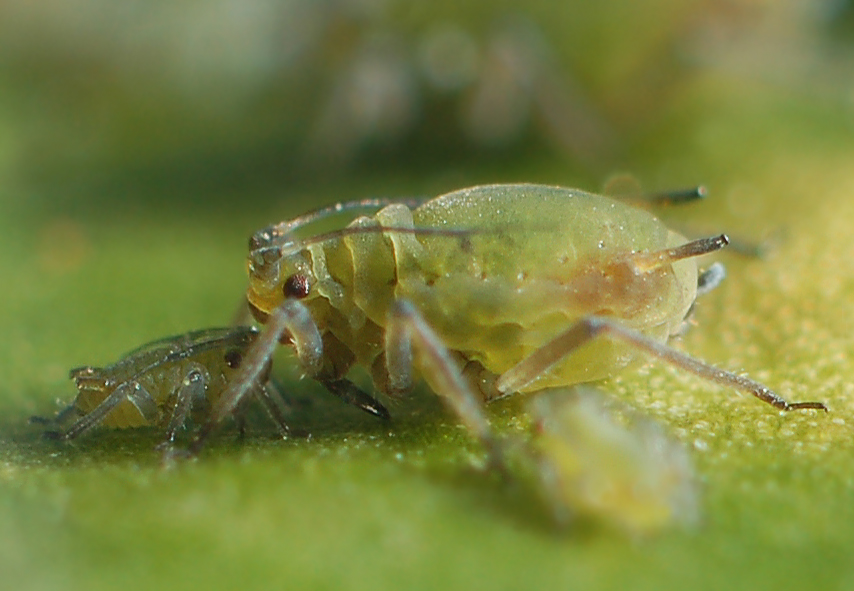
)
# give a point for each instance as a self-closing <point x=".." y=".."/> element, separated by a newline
<point x="503" y="288"/>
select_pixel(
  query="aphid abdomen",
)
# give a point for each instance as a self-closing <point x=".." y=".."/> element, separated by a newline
<point x="538" y="260"/>
<point x="144" y="411"/>
<point x="126" y="415"/>
<point x="93" y="388"/>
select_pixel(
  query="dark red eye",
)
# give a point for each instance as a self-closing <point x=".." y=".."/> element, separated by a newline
<point x="296" y="286"/>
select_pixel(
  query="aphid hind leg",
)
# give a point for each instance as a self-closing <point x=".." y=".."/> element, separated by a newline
<point x="585" y="330"/>
<point x="131" y="391"/>
<point x="710" y="279"/>
<point x="707" y="281"/>
<point x="290" y="318"/>
<point x="405" y="327"/>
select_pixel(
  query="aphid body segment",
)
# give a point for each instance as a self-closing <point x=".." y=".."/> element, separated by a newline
<point x="164" y="383"/>
<point x="585" y="461"/>
<point x="502" y="288"/>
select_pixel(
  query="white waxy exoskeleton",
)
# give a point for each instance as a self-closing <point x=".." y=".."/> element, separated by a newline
<point x="166" y="382"/>
<point x="503" y="289"/>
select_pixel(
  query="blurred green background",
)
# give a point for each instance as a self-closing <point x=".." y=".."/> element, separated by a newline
<point x="141" y="143"/>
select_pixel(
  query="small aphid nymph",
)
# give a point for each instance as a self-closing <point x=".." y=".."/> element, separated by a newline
<point x="166" y="383"/>
<point x="586" y="462"/>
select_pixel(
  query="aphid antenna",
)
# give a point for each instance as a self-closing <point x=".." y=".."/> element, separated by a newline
<point x="279" y="233"/>
<point x="292" y="247"/>
<point x="647" y="261"/>
<point x="354" y="230"/>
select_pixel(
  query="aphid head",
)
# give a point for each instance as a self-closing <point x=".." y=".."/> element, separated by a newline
<point x="279" y="268"/>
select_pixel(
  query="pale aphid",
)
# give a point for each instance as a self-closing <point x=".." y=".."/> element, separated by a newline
<point x="592" y="459"/>
<point x="503" y="288"/>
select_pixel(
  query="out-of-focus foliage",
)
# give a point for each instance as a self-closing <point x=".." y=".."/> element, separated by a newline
<point x="234" y="89"/>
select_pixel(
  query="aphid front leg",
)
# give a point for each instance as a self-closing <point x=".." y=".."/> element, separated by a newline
<point x="273" y="402"/>
<point x="192" y="388"/>
<point x="407" y="326"/>
<point x="290" y="320"/>
<point x="587" y="329"/>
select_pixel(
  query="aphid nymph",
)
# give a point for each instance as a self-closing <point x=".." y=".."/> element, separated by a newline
<point x="586" y="461"/>
<point x="165" y="383"/>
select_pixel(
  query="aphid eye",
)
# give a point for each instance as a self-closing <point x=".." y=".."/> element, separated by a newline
<point x="233" y="358"/>
<point x="296" y="286"/>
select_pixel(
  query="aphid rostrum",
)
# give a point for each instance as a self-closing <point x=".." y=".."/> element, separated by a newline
<point x="502" y="288"/>
<point x="165" y="383"/>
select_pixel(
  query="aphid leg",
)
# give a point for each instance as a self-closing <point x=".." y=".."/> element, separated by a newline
<point x="583" y="331"/>
<point x="405" y="326"/>
<point x="707" y="280"/>
<point x="131" y="391"/>
<point x="273" y="402"/>
<point x="57" y="419"/>
<point x="351" y="394"/>
<point x="710" y="279"/>
<point x="192" y="388"/>
<point x="290" y="318"/>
